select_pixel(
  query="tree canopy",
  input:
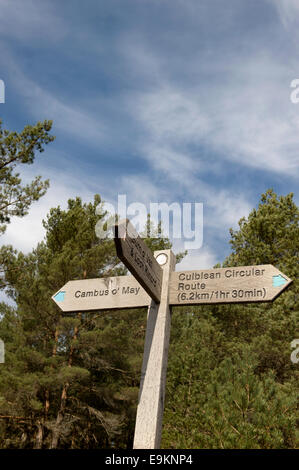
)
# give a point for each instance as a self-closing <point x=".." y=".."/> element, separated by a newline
<point x="19" y="149"/>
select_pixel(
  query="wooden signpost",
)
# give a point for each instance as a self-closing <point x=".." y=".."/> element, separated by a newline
<point x="2" y="351"/>
<point x="155" y="284"/>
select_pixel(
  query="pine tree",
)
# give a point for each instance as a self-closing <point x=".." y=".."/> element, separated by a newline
<point x="73" y="380"/>
<point x="19" y="149"/>
<point x="237" y="387"/>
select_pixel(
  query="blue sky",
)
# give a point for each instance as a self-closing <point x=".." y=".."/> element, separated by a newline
<point x="161" y="100"/>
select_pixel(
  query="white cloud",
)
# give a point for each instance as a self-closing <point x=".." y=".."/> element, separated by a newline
<point x="249" y="123"/>
<point x="141" y="188"/>
<point x="196" y="259"/>
<point x="173" y="115"/>
<point x="222" y="209"/>
<point x="6" y="299"/>
<point x="239" y="110"/>
<point x="31" y="20"/>
<point x="25" y="232"/>
<point x="288" y="10"/>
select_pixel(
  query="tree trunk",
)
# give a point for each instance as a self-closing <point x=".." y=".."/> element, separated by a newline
<point x="60" y="415"/>
<point x="39" y="436"/>
<point x="47" y="392"/>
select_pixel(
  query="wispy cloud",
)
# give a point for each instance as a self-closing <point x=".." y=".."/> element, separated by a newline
<point x="42" y="104"/>
<point x="181" y="101"/>
<point x="250" y="122"/>
<point x="222" y="209"/>
<point x="202" y="259"/>
<point x="31" y="20"/>
<point x="25" y="232"/>
<point x="288" y="10"/>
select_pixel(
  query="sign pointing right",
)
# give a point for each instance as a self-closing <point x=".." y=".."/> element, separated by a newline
<point x="260" y="283"/>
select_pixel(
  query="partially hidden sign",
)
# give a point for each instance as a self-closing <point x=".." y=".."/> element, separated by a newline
<point x="138" y="258"/>
<point x="259" y="283"/>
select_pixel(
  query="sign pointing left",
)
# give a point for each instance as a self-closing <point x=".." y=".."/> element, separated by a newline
<point x="101" y="294"/>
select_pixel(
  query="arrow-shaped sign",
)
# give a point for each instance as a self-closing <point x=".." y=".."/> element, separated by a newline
<point x="101" y="294"/>
<point x="260" y="283"/>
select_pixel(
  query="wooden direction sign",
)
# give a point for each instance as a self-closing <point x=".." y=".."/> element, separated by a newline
<point x="101" y="294"/>
<point x="138" y="258"/>
<point x="260" y="283"/>
<point x="159" y="288"/>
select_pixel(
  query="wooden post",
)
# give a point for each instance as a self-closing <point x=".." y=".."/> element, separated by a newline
<point x="150" y="408"/>
<point x="2" y="351"/>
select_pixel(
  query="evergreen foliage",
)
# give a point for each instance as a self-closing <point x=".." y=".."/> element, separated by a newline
<point x="68" y="381"/>
<point x="17" y="149"/>
<point x="231" y="383"/>
<point x="72" y="381"/>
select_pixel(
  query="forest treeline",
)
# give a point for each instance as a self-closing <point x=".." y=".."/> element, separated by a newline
<point x="72" y="381"/>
